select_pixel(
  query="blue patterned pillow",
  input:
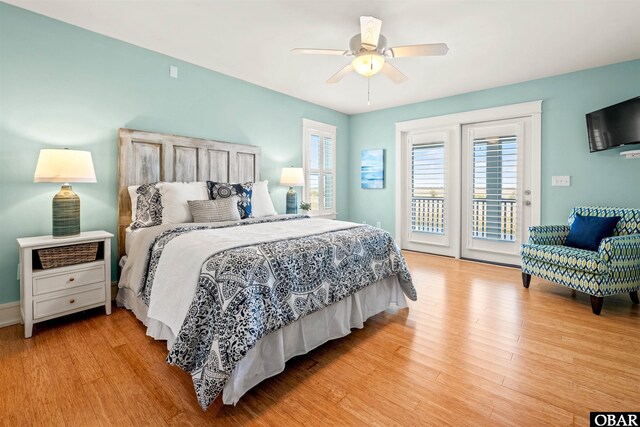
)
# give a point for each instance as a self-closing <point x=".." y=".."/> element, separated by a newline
<point x="148" y="207"/>
<point x="586" y="232"/>
<point x="224" y="189"/>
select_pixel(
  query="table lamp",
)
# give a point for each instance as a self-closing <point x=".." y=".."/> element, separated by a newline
<point x="66" y="166"/>
<point x="293" y="177"/>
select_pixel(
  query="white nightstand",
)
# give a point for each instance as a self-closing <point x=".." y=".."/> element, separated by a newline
<point x="49" y="293"/>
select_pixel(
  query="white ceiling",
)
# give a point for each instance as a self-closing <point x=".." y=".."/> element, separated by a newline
<point x="492" y="43"/>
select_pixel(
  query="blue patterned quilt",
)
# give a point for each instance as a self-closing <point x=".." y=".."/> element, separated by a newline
<point x="247" y="292"/>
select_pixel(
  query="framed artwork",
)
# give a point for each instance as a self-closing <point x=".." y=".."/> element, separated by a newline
<point x="372" y="168"/>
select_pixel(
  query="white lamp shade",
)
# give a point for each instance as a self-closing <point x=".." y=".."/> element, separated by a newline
<point x="293" y="177"/>
<point x="62" y="165"/>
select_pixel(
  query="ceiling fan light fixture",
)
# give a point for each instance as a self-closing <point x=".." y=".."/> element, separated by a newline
<point x="368" y="64"/>
<point x="371" y="53"/>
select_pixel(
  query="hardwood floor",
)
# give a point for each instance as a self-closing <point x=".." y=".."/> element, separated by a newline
<point x="475" y="349"/>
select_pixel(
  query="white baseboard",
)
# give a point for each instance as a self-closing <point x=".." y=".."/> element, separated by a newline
<point x="9" y="314"/>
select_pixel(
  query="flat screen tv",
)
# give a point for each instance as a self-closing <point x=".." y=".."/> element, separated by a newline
<point x="614" y="126"/>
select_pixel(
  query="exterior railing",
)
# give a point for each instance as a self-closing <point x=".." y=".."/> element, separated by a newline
<point x="496" y="220"/>
<point x="427" y="214"/>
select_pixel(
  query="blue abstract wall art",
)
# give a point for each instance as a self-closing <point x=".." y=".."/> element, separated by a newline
<point x="372" y="168"/>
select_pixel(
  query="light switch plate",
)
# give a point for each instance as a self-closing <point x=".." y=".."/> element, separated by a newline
<point x="560" y="181"/>
<point x="173" y="71"/>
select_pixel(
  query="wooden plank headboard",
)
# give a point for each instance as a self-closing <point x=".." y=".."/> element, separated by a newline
<point x="145" y="157"/>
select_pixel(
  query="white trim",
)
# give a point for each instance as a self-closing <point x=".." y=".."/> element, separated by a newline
<point x="531" y="109"/>
<point x="474" y="116"/>
<point x="10" y="314"/>
<point x="536" y="170"/>
<point x="323" y="129"/>
<point x="400" y="138"/>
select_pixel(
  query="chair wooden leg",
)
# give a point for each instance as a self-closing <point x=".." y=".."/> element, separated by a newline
<point x="596" y="304"/>
<point x="634" y="297"/>
<point x="526" y="279"/>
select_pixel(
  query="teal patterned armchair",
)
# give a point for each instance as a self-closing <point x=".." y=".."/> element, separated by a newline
<point x="613" y="269"/>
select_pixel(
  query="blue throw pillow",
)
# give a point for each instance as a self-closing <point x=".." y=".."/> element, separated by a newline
<point x="224" y="189"/>
<point x="587" y="231"/>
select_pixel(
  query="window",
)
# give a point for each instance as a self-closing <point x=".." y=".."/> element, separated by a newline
<point x="495" y="184"/>
<point x="319" y="163"/>
<point x="428" y="188"/>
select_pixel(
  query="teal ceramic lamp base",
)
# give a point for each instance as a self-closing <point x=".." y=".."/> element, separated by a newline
<point x="66" y="213"/>
<point x="292" y="201"/>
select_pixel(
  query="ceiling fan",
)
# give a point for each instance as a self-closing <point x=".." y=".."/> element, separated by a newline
<point x="371" y="52"/>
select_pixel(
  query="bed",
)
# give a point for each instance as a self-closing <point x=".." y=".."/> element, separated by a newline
<point x="234" y="300"/>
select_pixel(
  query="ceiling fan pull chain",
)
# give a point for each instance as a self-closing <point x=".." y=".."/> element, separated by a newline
<point x="368" y="90"/>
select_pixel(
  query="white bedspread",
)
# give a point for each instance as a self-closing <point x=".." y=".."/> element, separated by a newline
<point x="178" y="270"/>
<point x="176" y="280"/>
<point x="269" y="356"/>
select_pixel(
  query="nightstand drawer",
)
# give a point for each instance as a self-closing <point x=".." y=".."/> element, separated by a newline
<point x="72" y="278"/>
<point x="52" y="306"/>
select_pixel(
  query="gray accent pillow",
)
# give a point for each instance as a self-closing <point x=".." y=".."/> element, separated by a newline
<point x="219" y="210"/>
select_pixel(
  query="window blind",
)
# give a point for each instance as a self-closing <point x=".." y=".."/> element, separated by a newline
<point x="495" y="183"/>
<point x="428" y="186"/>
<point x="319" y="148"/>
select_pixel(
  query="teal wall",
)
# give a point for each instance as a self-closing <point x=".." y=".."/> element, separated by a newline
<point x="602" y="178"/>
<point x="61" y="86"/>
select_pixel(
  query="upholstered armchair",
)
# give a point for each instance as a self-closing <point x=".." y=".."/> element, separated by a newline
<point x="613" y="269"/>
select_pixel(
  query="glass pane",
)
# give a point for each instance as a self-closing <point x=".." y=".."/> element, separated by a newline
<point x="328" y="191"/>
<point x="314" y="191"/>
<point x="495" y="183"/>
<point x="314" y="152"/>
<point x="428" y="188"/>
<point x="328" y="153"/>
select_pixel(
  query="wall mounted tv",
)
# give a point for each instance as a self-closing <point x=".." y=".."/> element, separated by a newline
<point x="614" y="126"/>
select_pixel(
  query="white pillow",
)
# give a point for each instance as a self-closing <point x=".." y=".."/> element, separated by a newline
<point x="133" y="195"/>
<point x="175" y="208"/>
<point x="261" y="203"/>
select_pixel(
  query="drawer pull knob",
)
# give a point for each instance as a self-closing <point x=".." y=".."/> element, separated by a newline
<point x="71" y="279"/>
<point x="72" y="301"/>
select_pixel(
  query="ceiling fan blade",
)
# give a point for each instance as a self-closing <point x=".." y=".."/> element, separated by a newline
<point x="321" y="51"/>
<point x="433" y="49"/>
<point x="340" y="74"/>
<point x="393" y="73"/>
<point x="370" y="31"/>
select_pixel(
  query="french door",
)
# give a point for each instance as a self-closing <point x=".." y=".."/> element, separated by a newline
<point x="496" y="189"/>
<point x="431" y="192"/>
<point x="469" y="190"/>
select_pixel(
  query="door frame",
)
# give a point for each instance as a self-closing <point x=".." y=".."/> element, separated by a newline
<point x="531" y="109"/>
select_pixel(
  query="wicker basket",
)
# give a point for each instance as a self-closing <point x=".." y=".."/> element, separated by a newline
<point x="68" y="255"/>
